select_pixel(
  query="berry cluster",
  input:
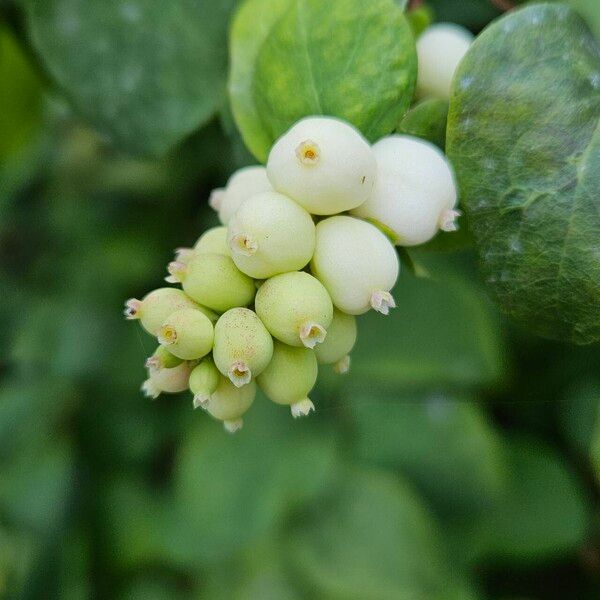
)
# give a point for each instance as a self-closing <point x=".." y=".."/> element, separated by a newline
<point x="274" y="291"/>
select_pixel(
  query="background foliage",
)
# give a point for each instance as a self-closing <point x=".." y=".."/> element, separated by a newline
<point x="459" y="459"/>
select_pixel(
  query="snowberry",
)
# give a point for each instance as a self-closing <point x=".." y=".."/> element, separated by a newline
<point x="324" y="164"/>
<point x="243" y="347"/>
<point x="162" y="359"/>
<point x="228" y="403"/>
<point x="156" y="306"/>
<point x="341" y="337"/>
<point x="270" y="234"/>
<point x="241" y="185"/>
<point x="356" y="263"/>
<point x="187" y="333"/>
<point x="440" y="49"/>
<point x="214" y="281"/>
<point x="290" y="376"/>
<point x="415" y="193"/>
<point x="170" y="381"/>
<point x="212" y="241"/>
<point x="204" y="379"/>
<point x="295" y="308"/>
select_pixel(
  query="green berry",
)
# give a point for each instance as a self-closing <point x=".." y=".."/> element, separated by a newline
<point x="324" y="164"/>
<point x="213" y="280"/>
<point x="204" y="380"/>
<point x="341" y="337"/>
<point x="213" y="241"/>
<point x="170" y="381"/>
<point x="356" y="263"/>
<point x="290" y="377"/>
<point x="295" y="308"/>
<point x="271" y="234"/>
<point x="241" y="185"/>
<point x="187" y="333"/>
<point x="243" y="347"/>
<point x="156" y="306"/>
<point x="229" y="403"/>
<point x="162" y="359"/>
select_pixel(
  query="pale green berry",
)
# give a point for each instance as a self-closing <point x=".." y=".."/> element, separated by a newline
<point x="270" y="234"/>
<point x="213" y="280"/>
<point x="324" y="164"/>
<point x="156" y="306"/>
<point x="229" y="403"/>
<point x="415" y="193"/>
<point x="341" y="337"/>
<point x="356" y="263"/>
<point x="204" y="379"/>
<point x="187" y="333"/>
<point x="290" y="377"/>
<point x="243" y="347"/>
<point x="295" y="308"/>
<point x="241" y="185"/>
<point x="212" y="241"/>
<point x="162" y="359"/>
<point x="169" y="381"/>
<point x="440" y="48"/>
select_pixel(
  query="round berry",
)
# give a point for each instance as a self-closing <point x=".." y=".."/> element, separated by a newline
<point x="290" y="377"/>
<point x="243" y="347"/>
<point x="295" y="308"/>
<point x="162" y="359"/>
<point x="229" y="403"/>
<point x="270" y="234"/>
<point x="324" y="164"/>
<point x="440" y="49"/>
<point x="415" y="193"/>
<point x="187" y="333"/>
<point x="356" y="263"/>
<point x="214" y="281"/>
<point x="204" y="379"/>
<point x="156" y="306"/>
<point x="241" y="185"/>
<point x="341" y="337"/>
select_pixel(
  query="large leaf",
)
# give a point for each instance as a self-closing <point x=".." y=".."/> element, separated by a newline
<point x="444" y="445"/>
<point x="523" y="136"/>
<point x="364" y="73"/>
<point x="251" y="26"/>
<point x="145" y="73"/>
<point x="375" y="541"/>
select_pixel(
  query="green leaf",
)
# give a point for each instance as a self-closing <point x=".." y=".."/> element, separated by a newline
<point x="580" y="413"/>
<point x="444" y="445"/>
<point x="365" y="73"/>
<point x="426" y="120"/>
<point x="145" y="73"/>
<point x="473" y="14"/>
<point x="251" y="26"/>
<point x="590" y="11"/>
<point x="374" y="541"/>
<point x="20" y="97"/>
<point x="524" y="139"/>
<point x="542" y="513"/>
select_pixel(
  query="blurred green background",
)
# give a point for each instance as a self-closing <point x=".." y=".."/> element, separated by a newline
<point x="459" y="459"/>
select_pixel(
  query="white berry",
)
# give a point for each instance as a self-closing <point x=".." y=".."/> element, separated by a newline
<point x="415" y="193"/>
<point x="324" y="164"/>
<point x="241" y="185"/>
<point x="356" y="263"/>
<point x="270" y="234"/>
<point x="440" y="49"/>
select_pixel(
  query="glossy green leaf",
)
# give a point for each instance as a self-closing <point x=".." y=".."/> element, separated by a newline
<point x="542" y="512"/>
<point x="373" y="541"/>
<point x="524" y="139"/>
<point x="444" y="445"/>
<point x="365" y="73"/>
<point x="426" y="120"/>
<point x="252" y="24"/>
<point x="144" y="73"/>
